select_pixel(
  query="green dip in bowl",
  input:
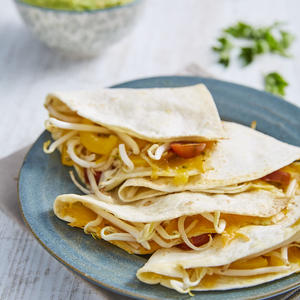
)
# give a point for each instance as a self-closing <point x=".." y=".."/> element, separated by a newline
<point x="80" y="28"/>
<point x="77" y="5"/>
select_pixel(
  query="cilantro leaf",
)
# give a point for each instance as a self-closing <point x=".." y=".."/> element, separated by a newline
<point x="247" y="55"/>
<point x="240" y="30"/>
<point x="260" y="40"/>
<point x="286" y="39"/>
<point x="275" y="84"/>
<point x="224" y="49"/>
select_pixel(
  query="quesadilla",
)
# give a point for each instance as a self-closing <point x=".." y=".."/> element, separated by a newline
<point x="185" y="220"/>
<point x="269" y="253"/>
<point x="247" y="160"/>
<point x="121" y="133"/>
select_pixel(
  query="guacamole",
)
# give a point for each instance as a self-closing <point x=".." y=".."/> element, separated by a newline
<point x="77" y="5"/>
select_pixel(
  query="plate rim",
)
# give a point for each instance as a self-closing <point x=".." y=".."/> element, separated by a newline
<point x="112" y="288"/>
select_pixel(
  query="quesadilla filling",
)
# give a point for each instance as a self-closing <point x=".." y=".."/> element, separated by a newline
<point x="282" y="183"/>
<point x="104" y="158"/>
<point x="285" y="180"/>
<point x="186" y="232"/>
<point x="283" y="260"/>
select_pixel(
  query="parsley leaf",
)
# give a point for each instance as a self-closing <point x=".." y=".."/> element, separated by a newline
<point x="275" y="84"/>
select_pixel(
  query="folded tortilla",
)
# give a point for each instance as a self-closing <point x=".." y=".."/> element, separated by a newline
<point x="113" y="134"/>
<point x="183" y="219"/>
<point x="271" y="252"/>
<point x="233" y="166"/>
<point x="157" y="114"/>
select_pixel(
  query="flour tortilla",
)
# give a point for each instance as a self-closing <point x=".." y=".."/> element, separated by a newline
<point x="166" y="264"/>
<point x="157" y="114"/>
<point x="167" y="207"/>
<point x="246" y="155"/>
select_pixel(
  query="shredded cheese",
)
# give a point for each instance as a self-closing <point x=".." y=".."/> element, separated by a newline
<point x="155" y="151"/>
<point x="95" y="189"/>
<point x="126" y="160"/>
<point x="83" y="189"/>
<point x="250" y="272"/>
<point x="93" y="223"/>
<point x="76" y="126"/>
<point x="59" y="142"/>
<point x="124" y="226"/>
<point x="62" y="117"/>
<point x="114" y="235"/>
<point x="291" y="189"/>
<point x="219" y="225"/>
<point x="198" y="273"/>
<point x="162" y="232"/>
<point x="185" y="238"/>
<point x="130" y="142"/>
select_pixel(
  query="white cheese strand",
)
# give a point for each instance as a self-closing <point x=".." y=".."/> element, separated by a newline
<point x="219" y="225"/>
<point x="284" y="255"/>
<point x="114" y="235"/>
<point x="147" y="232"/>
<point x="134" y="245"/>
<point x="71" y="144"/>
<point x="107" y="164"/>
<point x="62" y="117"/>
<point x="291" y="189"/>
<point x="179" y="286"/>
<point x="191" y="226"/>
<point x="127" y="161"/>
<point x="162" y="243"/>
<point x="95" y="189"/>
<point x="93" y="223"/>
<point x="83" y="189"/>
<point x="250" y="272"/>
<point x="185" y="238"/>
<point x="124" y="226"/>
<point x="89" y="157"/>
<point x="158" y="150"/>
<point x="76" y="126"/>
<point x="163" y="233"/>
<point x="58" y="142"/>
<point x="108" y="176"/>
<point x="151" y="151"/>
<point x="130" y="142"/>
<point x="198" y="273"/>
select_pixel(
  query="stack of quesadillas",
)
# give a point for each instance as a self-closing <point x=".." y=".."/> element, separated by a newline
<point x="216" y="202"/>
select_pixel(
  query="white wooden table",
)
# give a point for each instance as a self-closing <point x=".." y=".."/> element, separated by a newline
<point x="172" y="37"/>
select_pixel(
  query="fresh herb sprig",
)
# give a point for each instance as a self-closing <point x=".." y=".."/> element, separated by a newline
<point x="224" y="49"/>
<point x="275" y="84"/>
<point x="259" y="40"/>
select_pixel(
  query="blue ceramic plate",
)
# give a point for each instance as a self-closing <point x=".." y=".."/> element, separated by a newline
<point x="43" y="177"/>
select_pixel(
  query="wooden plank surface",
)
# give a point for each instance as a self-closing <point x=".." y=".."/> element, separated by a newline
<point x="171" y="37"/>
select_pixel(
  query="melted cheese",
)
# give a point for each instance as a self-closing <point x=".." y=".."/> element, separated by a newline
<point x="253" y="263"/>
<point x="294" y="255"/>
<point x="209" y="281"/>
<point x="81" y="214"/>
<point x="171" y="163"/>
<point x="275" y="261"/>
<point x="65" y="158"/>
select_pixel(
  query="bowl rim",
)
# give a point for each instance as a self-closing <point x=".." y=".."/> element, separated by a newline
<point x="132" y="3"/>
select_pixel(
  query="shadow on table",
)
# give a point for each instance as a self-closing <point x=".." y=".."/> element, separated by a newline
<point x="9" y="170"/>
